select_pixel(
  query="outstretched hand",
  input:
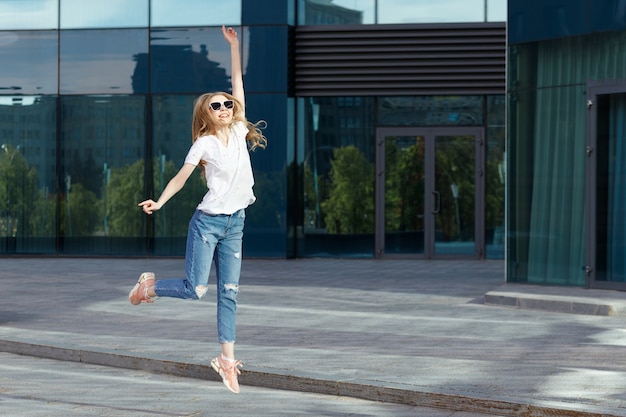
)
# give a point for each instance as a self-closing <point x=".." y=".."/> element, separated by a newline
<point x="230" y="35"/>
<point x="149" y="206"/>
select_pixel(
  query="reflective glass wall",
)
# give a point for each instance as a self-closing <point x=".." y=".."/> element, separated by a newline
<point x="547" y="133"/>
<point x="95" y="113"/>
<point x="337" y="159"/>
<point x="95" y="116"/>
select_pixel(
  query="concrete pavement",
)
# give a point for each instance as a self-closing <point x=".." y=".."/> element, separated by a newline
<point x="402" y="331"/>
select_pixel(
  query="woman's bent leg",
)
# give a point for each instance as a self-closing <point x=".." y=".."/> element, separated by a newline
<point x="175" y="288"/>
<point x="201" y="241"/>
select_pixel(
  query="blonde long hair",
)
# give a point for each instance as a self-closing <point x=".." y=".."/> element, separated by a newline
<point x="203" y="124"/>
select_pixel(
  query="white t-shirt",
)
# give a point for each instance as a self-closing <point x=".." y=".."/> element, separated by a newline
<point x="228" y="171"/>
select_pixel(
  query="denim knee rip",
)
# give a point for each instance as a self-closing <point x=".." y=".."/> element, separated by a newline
<point x="201" y="291"/>
<point x="231" y="291"/>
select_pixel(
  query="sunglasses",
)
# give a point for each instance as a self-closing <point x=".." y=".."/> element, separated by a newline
<point x="216" y="105"/>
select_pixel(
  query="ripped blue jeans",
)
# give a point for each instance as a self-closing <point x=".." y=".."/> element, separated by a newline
<point x="218" y="239"/>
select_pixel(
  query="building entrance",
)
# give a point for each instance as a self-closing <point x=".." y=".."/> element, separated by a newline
<point x="605" y="264"/>
<point x="430" y="192"/>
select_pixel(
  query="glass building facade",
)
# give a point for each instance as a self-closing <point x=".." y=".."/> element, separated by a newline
<point x="566" y="97"/>
<point x="95" y="115"/>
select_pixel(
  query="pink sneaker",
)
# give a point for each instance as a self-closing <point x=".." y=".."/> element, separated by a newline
<point x="228" y="370"/>
<point x="139" y="293"/>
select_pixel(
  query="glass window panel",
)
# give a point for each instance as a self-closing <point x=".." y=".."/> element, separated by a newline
<point x="496" y="10"/>
<point x="266" y="219"/>
<point x="546" y="211"/>
<point x="195" y="13"/>
<point x="336" y="12"/>
<point x="104" y="14"/>
<point x="29" y="14"/>
<point x="495" y="177"/>
<point x="562" y="60"/>
<point x="104" y="61"/>
<point x="29" y="62"/>
<point x="171" y="133"/>
<point x="27" y="174"/>
<point x="268" y="12"/>
<point x="545" y="216"/>
<point x="429" y="11"/>
<point x="337" y="165"/>
<point x="190" y="60"/>
<point x="102" y="174"/>
<point x="431" y="111"/>
<point x="607" y="15"/>
<point x="259" y="76"/>
<point x="531" y="21"/>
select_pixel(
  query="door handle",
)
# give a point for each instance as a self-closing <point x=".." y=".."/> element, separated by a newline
<point x="437" y="195"/>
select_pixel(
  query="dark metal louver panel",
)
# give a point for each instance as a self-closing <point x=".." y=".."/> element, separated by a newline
<point x="378" y="60"/>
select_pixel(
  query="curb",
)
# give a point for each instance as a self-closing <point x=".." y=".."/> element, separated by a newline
<point x="508" y="297"/>
<point x="272" y="379"/>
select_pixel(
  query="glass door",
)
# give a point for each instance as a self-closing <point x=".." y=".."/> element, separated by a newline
<point x="400" y="193"/>
<point x="429" y="191"/>
<point x="606" y="186"/>
<point x="455" y="178"/>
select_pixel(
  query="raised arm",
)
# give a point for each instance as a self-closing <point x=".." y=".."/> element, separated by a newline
<point x="235" y="58"/>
